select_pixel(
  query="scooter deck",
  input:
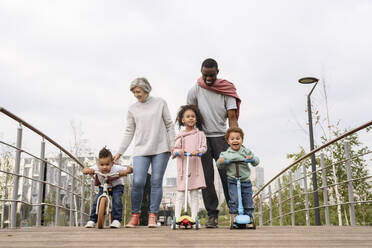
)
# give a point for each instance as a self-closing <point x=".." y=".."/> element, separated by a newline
<point x="185" y="222"/>
<point x="242" y="225"/>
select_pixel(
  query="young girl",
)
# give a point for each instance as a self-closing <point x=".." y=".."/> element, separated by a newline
<point x="190" y="140"/>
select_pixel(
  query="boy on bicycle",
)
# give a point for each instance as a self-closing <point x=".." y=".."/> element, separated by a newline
<point x="105" y="166"/>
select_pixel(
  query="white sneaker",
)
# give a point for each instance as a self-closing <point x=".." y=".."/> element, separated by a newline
<point x="90" y="224"/>
<point x="115" y="224"/>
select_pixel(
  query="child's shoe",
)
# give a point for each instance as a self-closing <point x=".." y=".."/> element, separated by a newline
<point x="152" y="220"/>
<point x="90" y="224"/>
<point x="134" y="220"/>
<point x="115" y="224"/>
<point x="232" y="217"/>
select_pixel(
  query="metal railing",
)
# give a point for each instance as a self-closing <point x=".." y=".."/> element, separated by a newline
<point x="345" y="193"/>
<point x="36" y="190"/>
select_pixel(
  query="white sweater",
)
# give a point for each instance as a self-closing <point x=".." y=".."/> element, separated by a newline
<point x="151" y="125"/>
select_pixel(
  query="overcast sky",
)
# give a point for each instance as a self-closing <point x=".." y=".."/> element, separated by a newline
<point x="63" y="61"/>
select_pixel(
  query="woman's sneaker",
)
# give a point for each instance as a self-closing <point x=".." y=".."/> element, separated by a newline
<point x="134" y="220"/>
<point x="212" y="222"/>
<point x="152" y="220"/>
<point x="90" y="224"/>
<point x="115" y="224"/>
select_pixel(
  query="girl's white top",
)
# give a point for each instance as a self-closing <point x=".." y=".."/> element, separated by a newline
<point x="151" y="125"/>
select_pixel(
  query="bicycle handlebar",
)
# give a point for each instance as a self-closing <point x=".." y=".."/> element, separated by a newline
<point x="106" y="175"/>
<point x="188" y="154"/>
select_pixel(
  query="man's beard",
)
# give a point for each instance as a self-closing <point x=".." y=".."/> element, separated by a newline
<point x="209" y="83"/>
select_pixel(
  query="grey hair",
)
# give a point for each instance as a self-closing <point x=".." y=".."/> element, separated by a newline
<point x="142" y="83"/>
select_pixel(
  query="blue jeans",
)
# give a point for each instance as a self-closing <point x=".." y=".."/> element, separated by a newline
<point x="246" y="191"/>
<point x="117" y="205"/>
<point x="141" y="166"/>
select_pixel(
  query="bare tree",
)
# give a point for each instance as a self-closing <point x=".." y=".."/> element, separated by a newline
<point x="79" y="146"/>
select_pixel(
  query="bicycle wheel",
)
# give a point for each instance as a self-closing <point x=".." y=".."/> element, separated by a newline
<point x="101" y="212"/>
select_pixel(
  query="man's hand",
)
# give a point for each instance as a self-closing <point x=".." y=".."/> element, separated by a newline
<point x="249" y="157"/>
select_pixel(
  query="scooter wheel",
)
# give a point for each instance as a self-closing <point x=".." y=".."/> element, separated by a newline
<point x="196" y="224"/>
<point x="242" y="226"/>
<point x="174" y="225"/>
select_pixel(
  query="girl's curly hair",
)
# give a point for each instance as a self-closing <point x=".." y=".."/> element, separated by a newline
<point x="199" y="118"/>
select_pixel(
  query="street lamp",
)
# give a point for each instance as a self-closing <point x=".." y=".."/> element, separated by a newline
<point x="311" y="80"/>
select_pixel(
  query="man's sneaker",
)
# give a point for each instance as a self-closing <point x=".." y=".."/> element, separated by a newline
<point x="115" y="224"/>
<point x="212" y="222"/>
<point x="90" y="224"/>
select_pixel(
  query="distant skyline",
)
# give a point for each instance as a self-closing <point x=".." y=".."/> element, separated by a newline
<point x="63" y="61"/>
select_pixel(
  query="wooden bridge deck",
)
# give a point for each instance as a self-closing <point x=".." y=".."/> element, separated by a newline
<point x="323" y="236"/>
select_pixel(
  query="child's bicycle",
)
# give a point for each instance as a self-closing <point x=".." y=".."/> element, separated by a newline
<point x="241" y="221"/>
<point x="104" y="201"/>
<point x="185" y="220"/>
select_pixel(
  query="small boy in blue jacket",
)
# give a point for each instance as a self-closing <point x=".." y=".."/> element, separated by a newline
<point x="234" y="137"/>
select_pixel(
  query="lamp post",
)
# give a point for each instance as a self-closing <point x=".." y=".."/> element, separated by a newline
<point x="311" y="80"/>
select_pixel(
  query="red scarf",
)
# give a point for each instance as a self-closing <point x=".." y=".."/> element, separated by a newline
<point x="223" y="87"/>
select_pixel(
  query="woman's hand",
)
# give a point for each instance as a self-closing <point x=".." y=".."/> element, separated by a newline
<point x="124" y="173"/>
<point x="116" y="157"/>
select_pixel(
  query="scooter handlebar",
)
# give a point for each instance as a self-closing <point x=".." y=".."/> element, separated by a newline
<point x="188" y="154"/>
<point x="246" y="160"/>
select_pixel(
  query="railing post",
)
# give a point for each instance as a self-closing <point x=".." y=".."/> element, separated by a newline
<point x="13" y="217"/>
<point x="58" y="193"/>
<point x="82" y="199"/>
<point x="291" y="197"/>
<point x="261" y="213"/>
<point x="270" y="206"/>
<point x="306" y="195"/>
<point x="325" y="189"/>
<point x="280" y="202"/>
<point x="41" y="178"/>
<point x="72" y="195"/>
<point x="5" y="196"/>
<point x="350" y="184"/>
<point x="91" y="195"/>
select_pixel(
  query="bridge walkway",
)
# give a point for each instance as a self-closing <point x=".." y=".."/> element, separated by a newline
<point x="298" y="236"/>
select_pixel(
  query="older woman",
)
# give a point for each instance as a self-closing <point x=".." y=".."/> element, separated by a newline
<point x="149" y="121"/>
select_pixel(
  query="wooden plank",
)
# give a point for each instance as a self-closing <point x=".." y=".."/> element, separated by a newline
<point x="324" y="236"/>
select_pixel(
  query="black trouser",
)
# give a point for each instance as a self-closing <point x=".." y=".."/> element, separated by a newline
<point x="216" y="145"/>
